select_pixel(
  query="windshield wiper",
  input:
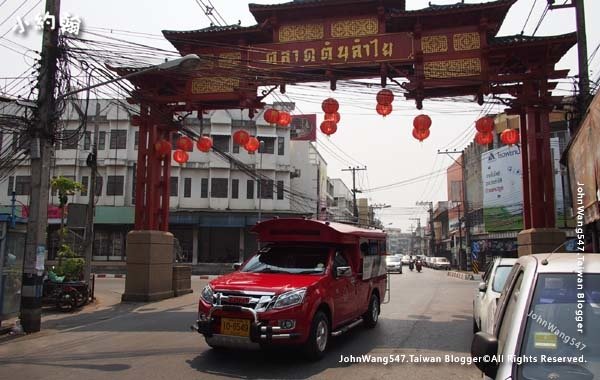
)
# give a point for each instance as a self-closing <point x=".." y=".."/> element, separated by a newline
<point x="270" y="270"/>
<point x="309" y="271"/>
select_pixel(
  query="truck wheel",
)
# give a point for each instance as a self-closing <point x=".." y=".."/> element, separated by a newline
<point x="318" y="338"/>
<point x="372" y="315"/>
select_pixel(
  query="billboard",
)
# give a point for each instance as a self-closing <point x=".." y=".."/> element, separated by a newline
<point x="502" y="189"/>
<point x="303" y="128"/>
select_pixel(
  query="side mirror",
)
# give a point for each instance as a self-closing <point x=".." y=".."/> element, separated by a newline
<point x="343" y="271"/>
<point x="236" y="266"/>
<point x="482" y="286"/>
<point x="483" y="345"/>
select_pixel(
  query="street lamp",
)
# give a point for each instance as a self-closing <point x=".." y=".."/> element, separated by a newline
<point x="187" y="62"/>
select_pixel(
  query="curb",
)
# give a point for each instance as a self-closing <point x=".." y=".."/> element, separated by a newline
<point x="194" y="277"/>
<point x="462" y="276"/>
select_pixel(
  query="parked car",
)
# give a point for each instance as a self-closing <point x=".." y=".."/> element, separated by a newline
<point x="394" y="263"/>
<point x="488" y="292"/>
<point x="405" y="259"/>
<point x="546" y="322"/>
<point x="428" y="261"/>
<point x="311" y="280"/>
<point x="440" y="263"/>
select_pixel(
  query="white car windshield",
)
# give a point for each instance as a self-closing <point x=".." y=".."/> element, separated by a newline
<point x="288" y="259"/>
<point x="392" y="259"/>
<point x="552" y="335"/>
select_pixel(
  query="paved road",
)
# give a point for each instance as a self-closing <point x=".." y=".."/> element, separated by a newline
<point x="429" y="316"/>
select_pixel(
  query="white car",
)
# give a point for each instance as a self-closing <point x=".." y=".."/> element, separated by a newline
<point x="440" y="263"/>
<point x="405" y="260"/>
<point x="394" y="263"/>
<point x="484" y="304"/>
<point x="547" y="321"/>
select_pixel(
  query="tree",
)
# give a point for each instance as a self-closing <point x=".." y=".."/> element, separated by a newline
<point x="65" y="187"/>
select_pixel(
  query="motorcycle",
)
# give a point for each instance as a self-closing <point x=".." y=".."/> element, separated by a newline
<point x="419" y="266"/>
<point x="411" y="266"/>
<point x="66" y="296"/>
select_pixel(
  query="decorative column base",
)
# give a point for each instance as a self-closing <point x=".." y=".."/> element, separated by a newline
<point x="149" y="266"/>
<point x="182" y="279"/>
<point x="539" y="240"/>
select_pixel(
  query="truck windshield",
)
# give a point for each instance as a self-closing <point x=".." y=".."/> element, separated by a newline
<point x="558" y="310"/>
<point x="288" y="259"/>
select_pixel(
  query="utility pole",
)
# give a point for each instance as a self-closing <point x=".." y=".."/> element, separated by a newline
<point x="417" y="233"/>
<point x="92" y="162"/>
<point x="42" y="136"/>
<point x="431" y="226"/>
<point x="584" y="78"/>
<point x="354" y="190"/>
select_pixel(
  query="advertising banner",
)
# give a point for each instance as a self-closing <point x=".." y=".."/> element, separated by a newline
<point x="502" y="189"/>
<point x="303" y="128"/>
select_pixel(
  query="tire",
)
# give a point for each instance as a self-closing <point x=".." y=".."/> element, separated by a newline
<point x="372" y="315"/>
<point x="316" y="345"/>
<point x="66" y="302"/>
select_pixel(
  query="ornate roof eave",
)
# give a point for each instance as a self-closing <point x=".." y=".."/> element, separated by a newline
<point x="498" y="8"/>
<point x="558" y="45"/>
<point x="262" y="12"/>
<point x="216" y="34"/>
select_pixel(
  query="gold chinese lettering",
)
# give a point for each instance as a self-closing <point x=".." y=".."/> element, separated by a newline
<point x="343" y="52"/>
<point x="296" y="55"/>
<point x="388" y="49"/>
<point x="309" y="55"/>
<point x="327" y="52"/>
<point x="434" y="44"/>
<point x="375" y="44"/>
<point x="356" y="49"/>
<point x="355" y="28"/>
<point x="285" y="56"/>
<point x="301" y="32"/>
<point x="466" y="41"/>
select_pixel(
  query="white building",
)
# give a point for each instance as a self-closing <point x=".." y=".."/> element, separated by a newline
<point x="342" y="205"/>
<point x="213" y="203"/>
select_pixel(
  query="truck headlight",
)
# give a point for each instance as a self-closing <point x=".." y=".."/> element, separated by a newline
<point x="291" y="298"/>
<point x="207" y="294"/>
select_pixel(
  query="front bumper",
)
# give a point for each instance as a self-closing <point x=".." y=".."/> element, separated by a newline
<point x="260" y="332"/>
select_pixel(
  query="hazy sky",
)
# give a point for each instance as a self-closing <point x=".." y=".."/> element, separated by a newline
<point x="385" y="146"/>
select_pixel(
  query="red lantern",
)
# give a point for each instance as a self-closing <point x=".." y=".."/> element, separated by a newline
<point x="385" y="97"/>
<point x="422" y="122"/>
<point x="509" y="136"/>
<point x="284" y="119"/>
<point x="185" y="143"/>
<point x="252" y="145"/>
<point x="384" y="109"/>
<point x="328" y="127"/>
<point x="485" y="125"/>
<point x="204" y="144"/>
<point x="180" y="156"/>
<point x="162" y="148"/>
<point x="241" y="137"/>
<point x="335" y="117"/>
<point x="271" y="116"/>
<point x="484" y="138"/>
<point x="420" y="134"/>
<point x="330" y="105"/>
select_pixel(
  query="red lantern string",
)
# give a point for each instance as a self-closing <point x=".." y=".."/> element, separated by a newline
<point x="420" y="134"/>
<point x="271" y="116"/>
<point x="385" y="97"/>
<point x="384" y="109"/>
<point x="422" y="122"/>
<point x="335" y="117"/>
<point x="162" y="148"/>
<point x="330" y="105"/>
<point x="241" y="137"/>
<point x="185" y="143"/>
<point x="284" y="119"/>
<point x="252" y="145"/>
<point x="328" y="127"/>
<point x="180" y="156"/>
<point x="484" y="138"/>
<point x="485" y="125"/>
<point x="509" y="136"/>
<point x="204" y="144"/>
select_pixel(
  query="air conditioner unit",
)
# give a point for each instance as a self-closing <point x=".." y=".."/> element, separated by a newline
<point x="295" y="174"/>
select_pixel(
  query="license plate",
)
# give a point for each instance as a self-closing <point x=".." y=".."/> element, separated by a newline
<point x="235" y="327"/>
